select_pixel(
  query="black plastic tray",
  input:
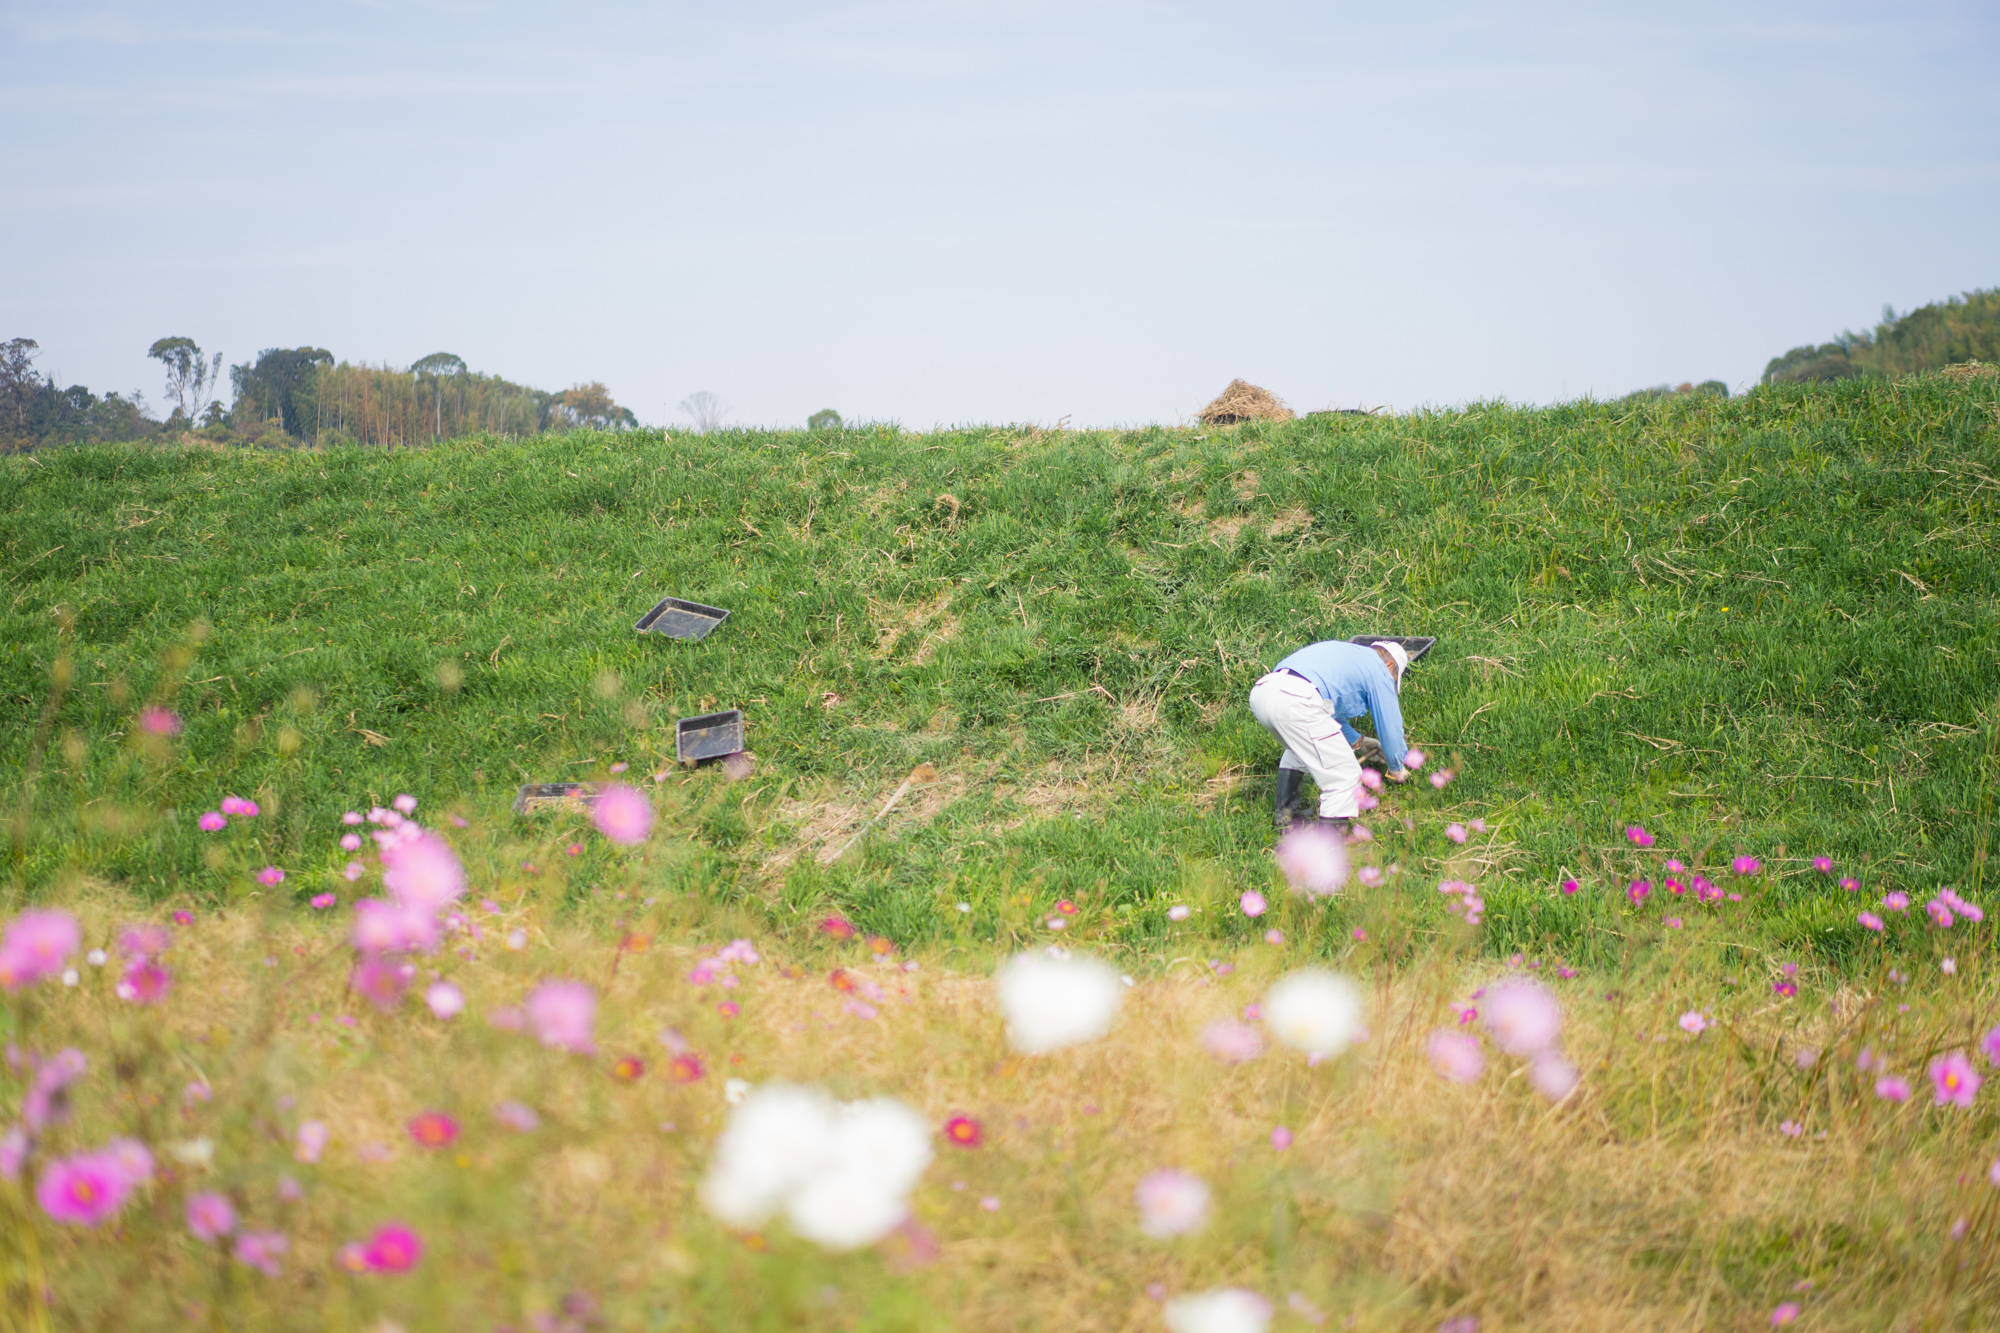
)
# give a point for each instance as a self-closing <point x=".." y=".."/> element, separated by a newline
<point x="678" y="619"/>
<point x="697" y="740"/>
<point x="1415" y="647"/>
<point x="555" y="796"/>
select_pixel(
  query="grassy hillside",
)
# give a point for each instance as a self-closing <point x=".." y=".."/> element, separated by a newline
<point x="1764" y="624"/>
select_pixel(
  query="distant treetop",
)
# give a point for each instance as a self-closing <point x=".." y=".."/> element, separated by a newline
<point x="1944" y="333"/>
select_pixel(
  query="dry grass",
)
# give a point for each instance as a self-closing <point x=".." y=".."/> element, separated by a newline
<point x="1241" y="402"/>
<point x="1661" y="1194"/>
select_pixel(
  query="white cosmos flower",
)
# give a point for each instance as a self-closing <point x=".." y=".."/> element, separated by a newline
<point x="1224" y="1310"/>
<point x="1314" y="1011"/>
<point x="1053" y="1002"/>
<point x="842" y="1174"/>
<point x="776" y="1140"/>
<point x="846" y="1208"/>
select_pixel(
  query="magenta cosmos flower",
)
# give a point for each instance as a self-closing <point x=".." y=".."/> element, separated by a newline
<point x="145" y="982"/>
<point x="1870" y="920"/>
<point x="1954" y="1079"/>
<point x="261" y="1249"/>
<point x="562" y="1015"/>
<point x="270" y="877"/>
<point x="1823" y="864"/>
<point x="90" y="1187"/>
<point x="1413" y="758"/>
<point x="1638" y="836"/>
<point x="1694" y="1023"/>
<point x="422" y="873"/>
<point x="623" y="815"/>
<point x="1253" y="903"/>
<point x="1456" y="832"/>
<point x="1892" y="1089"/>
<point x="211" y="820"/>
<point x="392" y="1249"/>
<point x="37" y="944"/>
<point x="1456" y="1056"/>
<point x="236" y="805"/>
<point x="1746" y="865"/>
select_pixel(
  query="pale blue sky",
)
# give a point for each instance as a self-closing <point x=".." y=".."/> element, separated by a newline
<point x="971" y="212"/>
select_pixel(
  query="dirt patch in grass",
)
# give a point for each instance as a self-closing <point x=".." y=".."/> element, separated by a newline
<point x="929" y="620"/>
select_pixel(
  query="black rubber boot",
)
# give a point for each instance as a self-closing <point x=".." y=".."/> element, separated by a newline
<point x="1285" y="810"/>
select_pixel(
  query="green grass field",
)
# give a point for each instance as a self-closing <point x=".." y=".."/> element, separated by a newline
<point x="1766" y="624"/>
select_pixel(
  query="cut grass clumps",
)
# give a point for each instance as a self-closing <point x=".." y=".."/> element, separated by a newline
<point x="1763" y="625"/>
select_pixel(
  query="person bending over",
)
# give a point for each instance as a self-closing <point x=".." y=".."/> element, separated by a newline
<point x="1305" y="700"/>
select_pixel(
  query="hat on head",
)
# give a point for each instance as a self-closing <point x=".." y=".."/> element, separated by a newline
<point x="1396" y="653"/>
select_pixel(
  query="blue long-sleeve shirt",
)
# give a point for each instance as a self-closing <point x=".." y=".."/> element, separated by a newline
<point x="1354" y="679"/>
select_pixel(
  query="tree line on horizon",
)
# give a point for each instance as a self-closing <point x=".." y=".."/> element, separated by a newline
<point x="1944" y="333"/>
<point x="290" y="396"/>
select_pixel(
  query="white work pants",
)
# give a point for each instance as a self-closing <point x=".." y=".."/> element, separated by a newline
<point x="1293" y="711"/>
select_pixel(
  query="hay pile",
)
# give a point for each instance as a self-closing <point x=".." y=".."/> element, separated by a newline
<point x="1242" y="402"/>
<point x="1964" y="370"/>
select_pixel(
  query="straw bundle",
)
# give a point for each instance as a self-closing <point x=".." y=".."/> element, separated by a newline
<point x="1244" y="402"/>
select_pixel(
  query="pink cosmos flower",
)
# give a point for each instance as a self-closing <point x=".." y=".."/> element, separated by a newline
<point x="1954" y="1079"/>
<point x="1694" y="1023"/>
<point x="183" y="917"/>
<point x="405" y="804"/>
<point x="14" y="1146"/>
<point x="380" y="981"/>
<point x="562" y="1015"/>
<point x="144" y="982"/>
<point x="1442" y="778"/>
<point x="210" y="821"/>
<point x="1570" y="886"/>
<point x="1232" y="1042"/>
<point x="260" y="1250"/>
<point x="209" y="1215"/>
<point x="1414" y="758"/>
<point x="516" y="1117"/>
<point x="1892" y="1089"/>
<point x="1746" y="865"/>
<point x="623" y="815"/>
<point x="311" y="1141"/>
<point x="1274" y="937"/>
<point x="1870" y="920"/>
<point x="392" y="1249"/>
<point x="1823" y="864"/>
<point x="1456" y="1055"/>
<point x="1281" y="1138"/>
<point x="353" y="871"/>
<point x="354" y="817"/>
<point x="84" y="1190"/>
<point x="1171" y="1203"/>
<point x="1551" y="1075"/>
<point x="1989" y="1046"/>
<point x="1784" y="1314"/>
<point x="1313" y="859"/>
<point x="160" y="722"/>
<point x="1371" y="779"/>
<point x="350" y="842"/>
<point x="445" y="1000"/>
<point x="37" y="943"/>
<point x="1523" y="1015"/>
<point x="1851" y="884"/>
<point x="1896" y="902"/>
<point x="322" y="901"/>
<point x="1939" y="913"/>
<point x="1178" y="912"/>
<point x="1252" y="903"/>
<point x="270" y="877"/>
<point x="1638" y="891"/>
<point x="236" y="805"/>
<point x="46" y="1101"/>
<point x="1674" y="923"/>
<point x="1638" y="836"/>
<point x="1371" y="876"/>
<point x="422" y="872"/>
<point x="1456" y="832"/>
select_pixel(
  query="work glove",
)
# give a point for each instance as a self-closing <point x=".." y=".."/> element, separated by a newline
<point x="1369" y="751"/>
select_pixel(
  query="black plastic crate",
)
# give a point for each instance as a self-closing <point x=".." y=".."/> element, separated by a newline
<point x="697" y="740"/>
<point x="1415" y="647"/>
<point x="555" y="796"/>
<point x="679" y="619"/>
